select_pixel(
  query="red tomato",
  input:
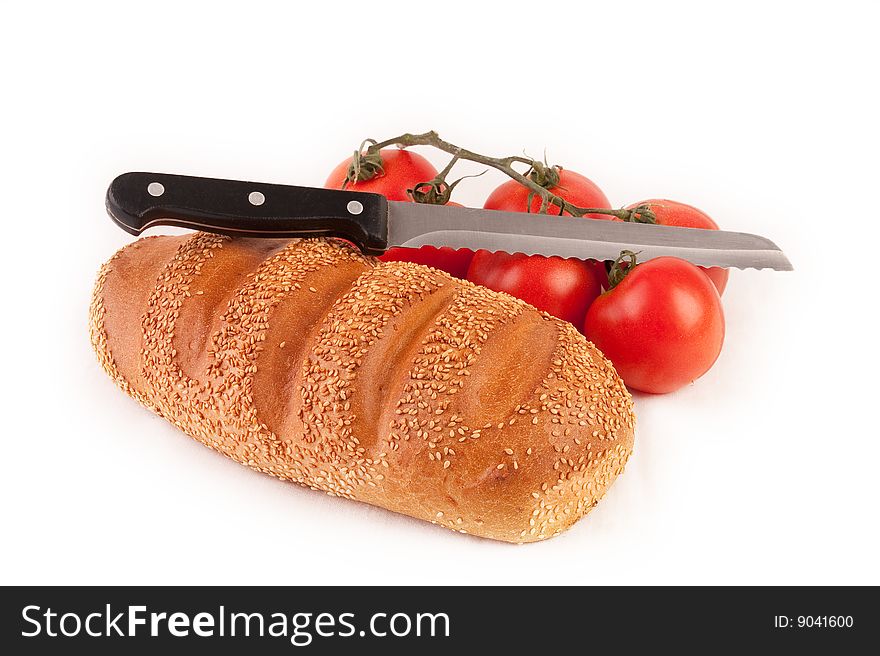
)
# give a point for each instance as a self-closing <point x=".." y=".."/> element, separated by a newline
<point x="564" y="288"/>
<point x="573" y="187"/>
<point x="454" y="262"/>
<point x="662" y="326"/>
<point x="672" y="213"/>
<point x="402" y="170"/>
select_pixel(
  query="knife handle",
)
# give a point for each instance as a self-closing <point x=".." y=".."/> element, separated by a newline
<point x="137" y="201"/>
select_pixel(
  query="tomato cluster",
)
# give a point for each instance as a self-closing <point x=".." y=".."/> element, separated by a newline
<point x="660" y="322"/>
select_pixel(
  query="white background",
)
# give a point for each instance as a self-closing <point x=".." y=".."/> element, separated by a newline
<point x="765" y="115"/>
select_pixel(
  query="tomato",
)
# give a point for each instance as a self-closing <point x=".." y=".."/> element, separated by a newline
<point x="573" y="187"/>
<point x="564" y="288"/>
<point x="672" y="213"/>
<point x="402" y="170"/>
<point x="662" y="326"/>
<point x="454" y="262"/>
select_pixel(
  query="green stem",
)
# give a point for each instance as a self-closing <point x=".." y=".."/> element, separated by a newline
<point x="624" y="263"/>
<point x="641" y="214"/>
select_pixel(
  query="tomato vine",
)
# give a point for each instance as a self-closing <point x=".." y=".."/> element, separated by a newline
<point x="538" y="178"/>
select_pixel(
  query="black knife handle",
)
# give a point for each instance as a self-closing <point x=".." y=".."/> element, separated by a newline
<point x="137" y="201"/>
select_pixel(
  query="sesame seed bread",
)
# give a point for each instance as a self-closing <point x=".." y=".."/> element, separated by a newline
<point x="388" y="383"/>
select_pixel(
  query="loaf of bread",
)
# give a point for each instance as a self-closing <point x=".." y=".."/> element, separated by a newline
<point x="389" y="383"/>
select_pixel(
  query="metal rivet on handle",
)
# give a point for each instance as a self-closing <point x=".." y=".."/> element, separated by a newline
<point x="155" y="189"/>
<point x="256" y="198"/>
<point x="354" y="207"/>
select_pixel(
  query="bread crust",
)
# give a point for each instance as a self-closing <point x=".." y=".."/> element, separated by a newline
<point x="388" y="383"/>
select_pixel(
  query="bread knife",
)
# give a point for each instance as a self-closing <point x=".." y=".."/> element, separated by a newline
<point x="137" y="201"/>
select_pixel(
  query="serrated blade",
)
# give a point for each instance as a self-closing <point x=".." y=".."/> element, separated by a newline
<point x="415" y="224"/>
